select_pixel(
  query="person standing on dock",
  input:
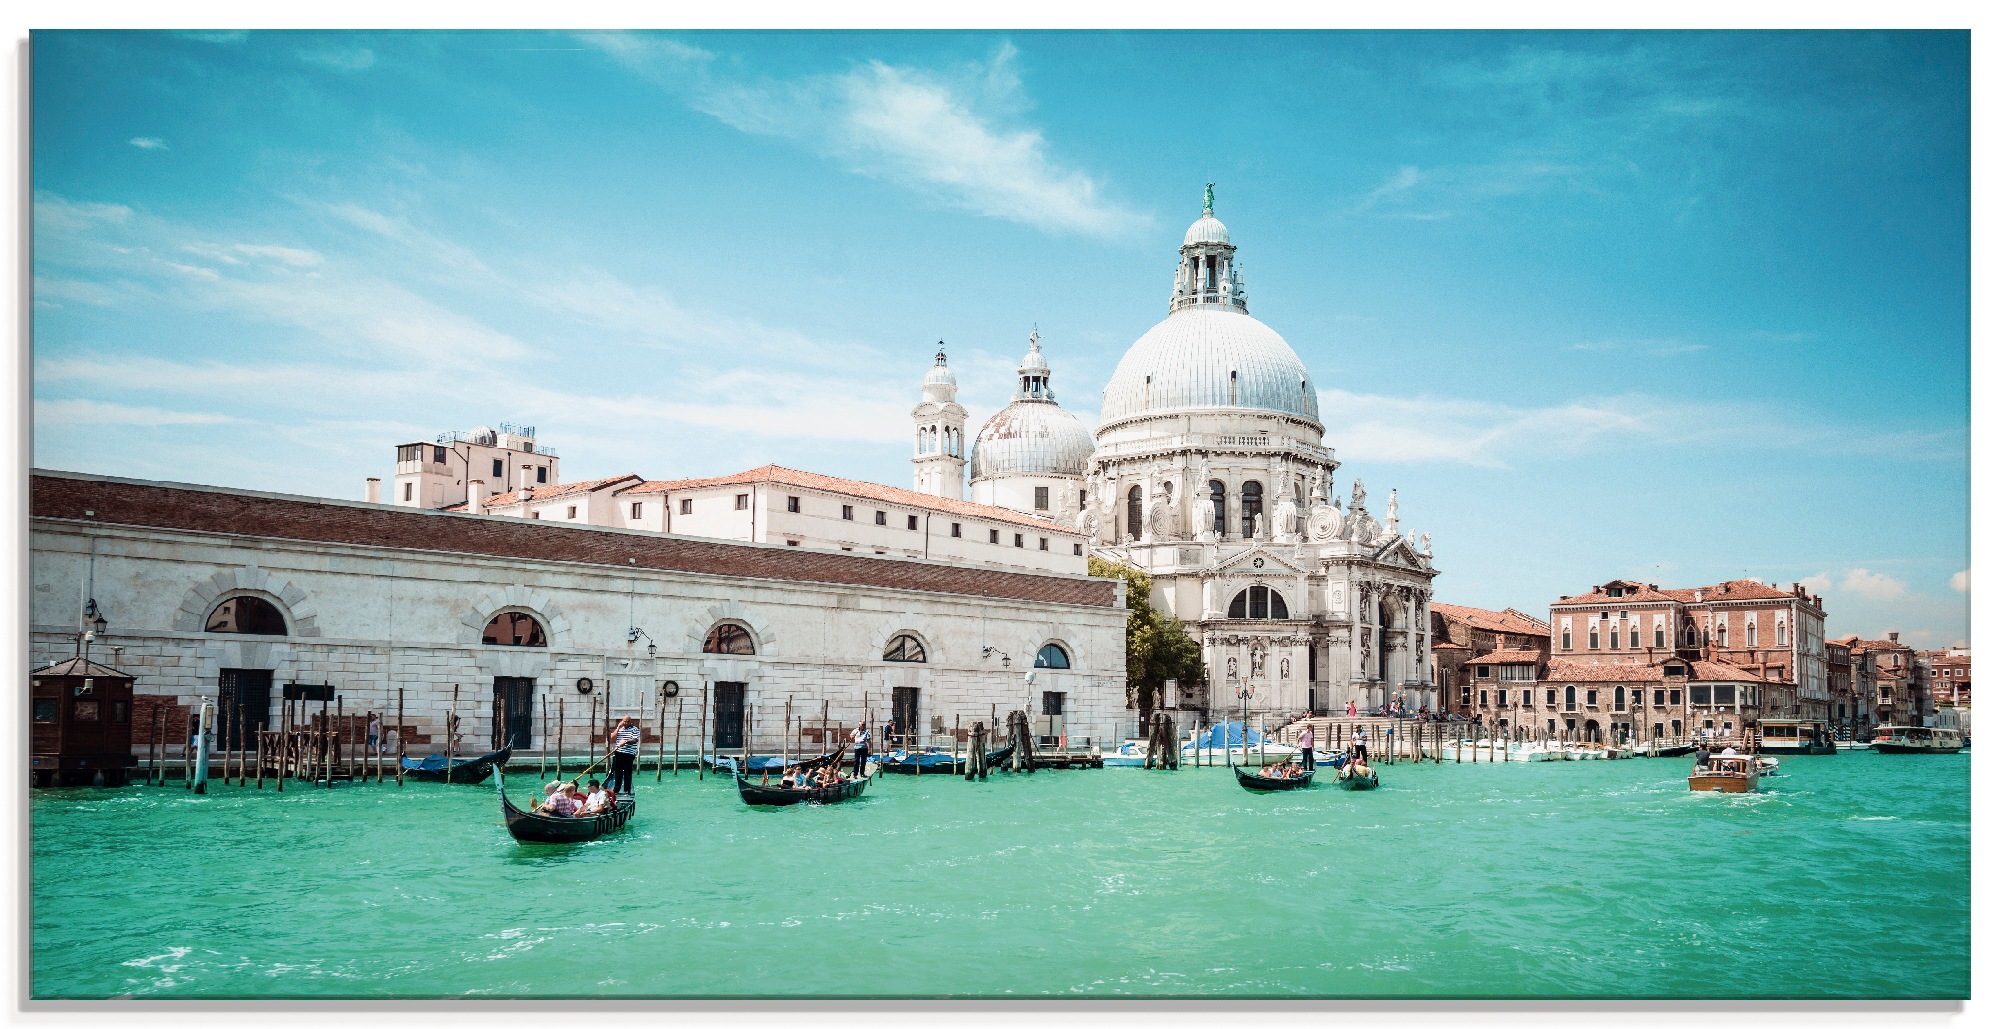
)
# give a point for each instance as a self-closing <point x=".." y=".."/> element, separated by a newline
<point x="1306" y="747"/>
<point x="624" y="754"/>
<point x="858" y="739"/>
<point x="374" y="733"/>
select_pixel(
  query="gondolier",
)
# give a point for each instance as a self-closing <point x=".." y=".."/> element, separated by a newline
<point x="1306" y="748"/>
<point x="624" y="754"/>
<point x="858" y="739"/>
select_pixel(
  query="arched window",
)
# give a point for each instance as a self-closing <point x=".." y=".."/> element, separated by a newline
<point x="728" y="638"/>
<point x="1253" y="505"/>
<point x="1781" y="630"/>
<point x="1569" y="698"/>
<point x="1135" y="512"/>
<point x="1750" y="631"/>
<point x="1218" y="495"/>
<point x="1259" y="602"/>
<point x="514" y="629"/>
<point x="1051" y="656"/>
<point x="252" y="615"/>
<point x="905" y="647"/>
<point x="1722" y="632"/>
<point x="1618" y="699"/>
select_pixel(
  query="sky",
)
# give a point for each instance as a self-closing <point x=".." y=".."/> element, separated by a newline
<point x="1672" y="306"/>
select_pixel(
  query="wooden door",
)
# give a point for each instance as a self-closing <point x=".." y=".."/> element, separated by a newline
<point x="729" y="697"/>
<point x="250" y="690"/>
<point x="514" y="696"/>
<point x="904" y="703"/>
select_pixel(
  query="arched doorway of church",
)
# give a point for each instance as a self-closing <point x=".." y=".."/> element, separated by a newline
<point x="1135" y="513"/>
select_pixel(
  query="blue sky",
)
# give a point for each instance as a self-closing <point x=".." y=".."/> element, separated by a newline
<point x="1675" y="306"/>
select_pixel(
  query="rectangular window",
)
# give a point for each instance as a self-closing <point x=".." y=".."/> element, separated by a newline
<point x="1482" y="699"/>
<point x="1465" y="695"/>
<point x="409" y="489"/>
<point x="1041" y="498"/>
<point x="1076" y="549"/>
<point x="687" y="506"/>
<point x="1659" y="698"/>
<point x="1485" y="672"/>
<point x="572" y="512"/>
<point x="1590" y="698"/>
<point x="954" y="530"/>
<point x="1725" y="695"/>
<point x="1698" y="695"/>
<point x="1674" y="698"/>
<point x="1593" y="637"/>
<point x="1566" y="641"/>
<point x="537" y="515"/>
<point x="1045" y="543"/>
<point x="1750" y="635"/>
<point x="437" y="455"/>
<point x="742" y="501"/>
<point x="913" y="521"/>
<point x="791" y="505"/>
<point x="541" y="475"/>
<point x="638" y="509"/>
<point x="499" y="469"/>
<point x="992" y="535"/>
<point x="45" y="710"/>
<point x="791" y="543"/>
<point x="1017" y="540"/>
<point x="881" y="518"/>
<point x="847" y="511"/>
<point x="1550" y="697"/>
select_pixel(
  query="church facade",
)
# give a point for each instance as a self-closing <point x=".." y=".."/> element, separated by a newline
<point x="1209" y="470"/>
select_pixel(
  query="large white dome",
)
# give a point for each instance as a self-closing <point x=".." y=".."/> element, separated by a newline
<point x="1031" y="437"/>
<point x="1209" y="356"/>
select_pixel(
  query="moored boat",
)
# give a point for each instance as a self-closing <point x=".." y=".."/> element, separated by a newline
<point x="936" y="762"/>
<point x="1258" y="782"/>
<point x="766" y="795"/>
<point x="1733" y="773"/>
<point x="1230" y="743"/>
<point x="529" y="827"/>
<point x="1917" y="739"/>
<point x="1793" y="736"/>
<point x="469" y="770"/>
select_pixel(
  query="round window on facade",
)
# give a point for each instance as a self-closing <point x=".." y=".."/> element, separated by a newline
<point x="514" y="629"/>
<point x="728" y="638"/>
<point x="253" y="615"/>
<point x="1051" y="656"/>
<point x="905" y="647"/>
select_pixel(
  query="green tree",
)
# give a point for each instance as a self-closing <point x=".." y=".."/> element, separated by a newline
<point x="1157" y="646"/>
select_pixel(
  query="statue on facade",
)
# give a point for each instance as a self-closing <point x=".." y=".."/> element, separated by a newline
<point x="1232" y="669"/>
<point x="1391" y="528"/>
<point x="1284" y="668"/>
<point x="1160" y="521"/>
<point x="1360" y="498"/>
<point x="1285" y="518"/>
<point x="1426" y="538"/>
<point x="1257" y="661"/>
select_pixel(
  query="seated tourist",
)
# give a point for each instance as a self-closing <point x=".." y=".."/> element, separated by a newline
<point x="593" y="800"/>
<point x="563" y="803"/>
<point x="548" y="797"/>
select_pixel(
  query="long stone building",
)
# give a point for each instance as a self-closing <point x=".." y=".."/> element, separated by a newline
<point x="246" y="598"/>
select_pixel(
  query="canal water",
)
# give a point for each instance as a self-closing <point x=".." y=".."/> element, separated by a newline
<point x="1849" y="876"/>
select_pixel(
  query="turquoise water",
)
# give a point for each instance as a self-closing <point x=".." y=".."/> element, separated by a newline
<point x="1847" y="877"/>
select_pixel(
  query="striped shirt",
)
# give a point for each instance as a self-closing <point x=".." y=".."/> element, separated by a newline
<point x="627" y="740"/>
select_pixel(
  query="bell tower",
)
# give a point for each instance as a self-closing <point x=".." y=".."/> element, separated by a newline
<point x="940" y="424"/>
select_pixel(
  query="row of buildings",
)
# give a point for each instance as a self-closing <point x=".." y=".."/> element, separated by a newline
<point x="1633" y="660"/>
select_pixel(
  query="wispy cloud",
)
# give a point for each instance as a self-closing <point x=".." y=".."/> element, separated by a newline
<point x="954" y="135"/>
<point x="1661" y="347"/>
<point x="1429" y="194"/>
<point x="149" y="143"/>
<point x="360" y="59"/>
<point x="1962" y="581"/>
<point x="94" y="412"/>
<point x="1873" y="585"/>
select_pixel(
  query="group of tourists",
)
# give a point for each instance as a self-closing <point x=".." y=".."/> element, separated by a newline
<point x="566" y="800"/>
<point x="818" y="777"/>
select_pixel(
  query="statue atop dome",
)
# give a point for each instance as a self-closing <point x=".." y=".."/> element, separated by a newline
<point x="1208" y="199"/>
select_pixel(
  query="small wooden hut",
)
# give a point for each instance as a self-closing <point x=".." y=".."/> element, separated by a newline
<point x="82" y="714"/>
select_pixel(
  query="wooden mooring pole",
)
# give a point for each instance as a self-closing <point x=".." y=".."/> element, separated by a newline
<point x="402" y="730"/>
<point x="677" y="735"/>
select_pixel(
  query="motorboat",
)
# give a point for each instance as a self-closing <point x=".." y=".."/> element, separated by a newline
<point x="1917" y="739"/>
<point x="1732" y="773"/>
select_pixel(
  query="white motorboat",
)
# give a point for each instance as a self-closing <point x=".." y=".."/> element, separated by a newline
<point x="1227" y="743"/>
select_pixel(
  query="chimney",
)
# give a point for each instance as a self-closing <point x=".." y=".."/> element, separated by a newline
<point x="1892" y="637"/>
<point x="475" y="496"/>
<point x="373" y="494"/>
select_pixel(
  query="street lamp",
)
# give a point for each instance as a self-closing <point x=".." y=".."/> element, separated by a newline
<point x="1004" y="659"/>
<point x="632" y="636"/>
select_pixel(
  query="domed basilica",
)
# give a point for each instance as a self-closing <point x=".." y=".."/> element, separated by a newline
<point x="1209" y="470"/>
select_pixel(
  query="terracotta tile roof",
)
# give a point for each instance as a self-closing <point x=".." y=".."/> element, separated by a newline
<point x="1723" y="671"/>
<point x="541" y="493"/>
<point x="1448" y="645"/>
<point x="1880" y="645"/>
<point x="1645" y="593"/>
<point x="1744" y="589"/>
<point x="1507" y="657"/>
<point x="1509" y="620"/>
<point x="248" y="515"/>
<point x="1567" y="669"/>
<point x="782" y="476"/>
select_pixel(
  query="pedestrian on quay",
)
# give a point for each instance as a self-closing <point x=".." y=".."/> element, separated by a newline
<point x="858" y="739"/>
<point x="1306" y="747"/>
<point x="624" y="754"/>
<point x="375" y="733"/>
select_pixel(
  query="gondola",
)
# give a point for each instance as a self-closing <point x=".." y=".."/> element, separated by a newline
<point x="528" y="827"/>
<point x="1256" y="783"/>
<point x="470" y="770"/>
<point x="937" y="764"/>
<point x="779" y="796"/>
<point x="774" y="763"/>
<point x="1359" y="782"/>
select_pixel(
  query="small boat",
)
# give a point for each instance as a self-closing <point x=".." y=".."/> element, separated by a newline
<point x="1230" y="743"/>
<point x="1767" y="766"/>
<point x="1360" y="782"/>
<point x="1258" y="782"/>
<point x="758" y="765"/>
<point x="779" y="796"/>
<point x="1917" y="739"/>
<point x="1794" y="736"/>
<point x="529" y="827"/>
<point x="1733" y="773"/>
<point x="936" y="762"/>
<point x="1130" y="754"/>
<point x="463" y="770"/>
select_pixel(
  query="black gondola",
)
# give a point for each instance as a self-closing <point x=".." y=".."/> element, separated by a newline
<point x="528" y="827"/>
<point x="1257" y="783"/>
<point x="469" y="770"/>
<point x="780" y="796"/>
<point x="1359" y="782"/>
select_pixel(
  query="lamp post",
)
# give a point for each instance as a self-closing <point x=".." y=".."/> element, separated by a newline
<point x="1244" y="691"/>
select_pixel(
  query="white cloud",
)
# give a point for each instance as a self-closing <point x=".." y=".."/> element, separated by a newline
<point x="950" y="135"/>
<point x="1818" y="585"/>
<point x="1429" y="194"/>
<point x="1962" y="581"/>
<point x="149" y="143"/>
<point x="1873" y="585"/>
<point x="93" y="412"/>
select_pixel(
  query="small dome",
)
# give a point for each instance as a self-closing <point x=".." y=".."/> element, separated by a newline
<point x="1035" y="362"/>
<point x="1206" y="229"/>
<point x="940" y="373"/>
<point x="1031" y="437"/>
<point x="1209" y="357"/>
